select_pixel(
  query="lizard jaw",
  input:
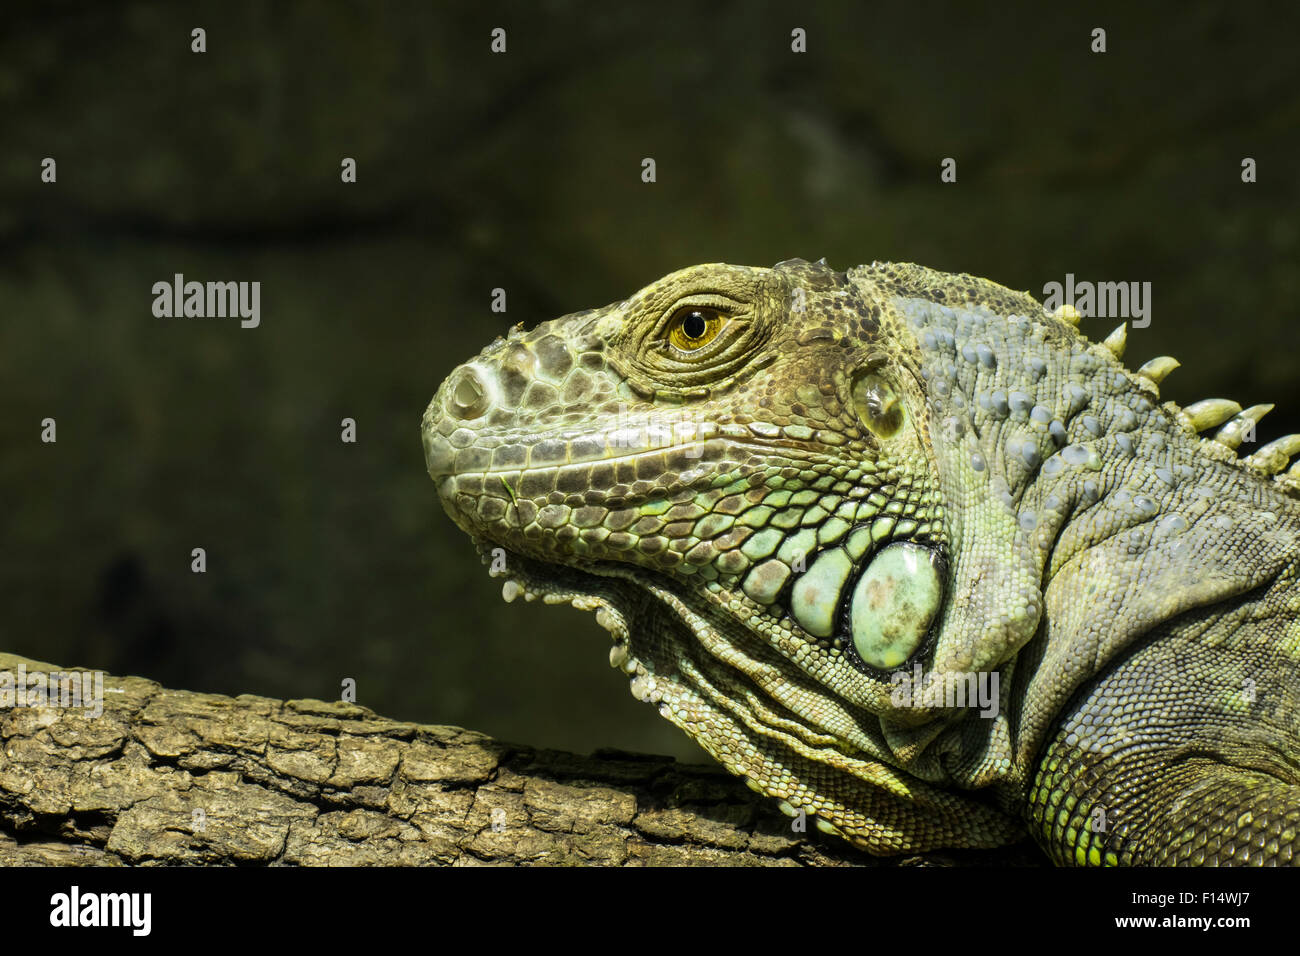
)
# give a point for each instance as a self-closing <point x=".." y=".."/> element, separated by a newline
<point x="582" y="587"/>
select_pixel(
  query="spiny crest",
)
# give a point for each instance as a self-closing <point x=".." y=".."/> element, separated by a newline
<point x="1233" y="422"/>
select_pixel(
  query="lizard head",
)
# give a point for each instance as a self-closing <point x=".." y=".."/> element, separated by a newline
<point x="790" y="493"/>
<point x="733" y="467"/>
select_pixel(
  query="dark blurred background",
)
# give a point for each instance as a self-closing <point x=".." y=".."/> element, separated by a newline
<point x="522" y="171"/>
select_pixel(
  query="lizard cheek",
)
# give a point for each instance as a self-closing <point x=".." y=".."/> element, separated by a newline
<point x="893" y="604"/>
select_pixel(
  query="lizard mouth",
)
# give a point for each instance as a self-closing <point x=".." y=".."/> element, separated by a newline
<point x="534" y="578"/>
<point x="603" y="587"/>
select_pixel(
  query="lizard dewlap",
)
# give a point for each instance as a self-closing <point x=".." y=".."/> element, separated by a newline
<point x="809" y="505"/>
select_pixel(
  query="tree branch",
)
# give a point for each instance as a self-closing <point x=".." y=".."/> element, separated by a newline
<point x="168" y="776"/>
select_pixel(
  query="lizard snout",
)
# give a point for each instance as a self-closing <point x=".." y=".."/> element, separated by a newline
<point x="463" y="398"/>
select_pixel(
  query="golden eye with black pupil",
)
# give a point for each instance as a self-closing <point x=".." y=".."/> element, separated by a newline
<point x="693" y="327"/>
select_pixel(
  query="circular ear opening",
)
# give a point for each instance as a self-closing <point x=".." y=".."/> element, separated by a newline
<point x="878" y="402"/>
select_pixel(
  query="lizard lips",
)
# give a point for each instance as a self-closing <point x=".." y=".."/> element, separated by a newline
<point x="439" y="456"/>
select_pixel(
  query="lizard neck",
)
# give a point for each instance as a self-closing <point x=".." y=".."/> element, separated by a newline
<point x="1083" y="513"/>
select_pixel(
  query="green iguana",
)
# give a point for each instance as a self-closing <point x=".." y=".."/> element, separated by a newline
<point x="909" y="554"/>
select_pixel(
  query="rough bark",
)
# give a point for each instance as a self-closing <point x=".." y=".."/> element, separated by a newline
<point x="172" y="777"/>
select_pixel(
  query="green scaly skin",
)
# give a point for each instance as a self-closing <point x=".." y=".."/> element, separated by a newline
<point x="781" y="489"/>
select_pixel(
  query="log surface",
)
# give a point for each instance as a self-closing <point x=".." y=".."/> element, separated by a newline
<point x="173" y="777"/>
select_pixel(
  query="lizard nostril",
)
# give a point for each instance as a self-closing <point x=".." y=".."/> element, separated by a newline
<point x="469" y="397"/>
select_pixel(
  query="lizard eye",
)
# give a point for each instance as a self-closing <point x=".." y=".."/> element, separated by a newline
<point x="693" y="327"/>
